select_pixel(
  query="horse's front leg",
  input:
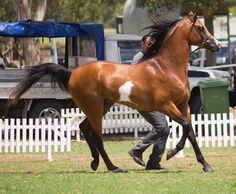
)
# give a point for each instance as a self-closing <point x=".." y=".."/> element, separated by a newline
<point x="184" y="120"/>
<point x="200" y="158"/>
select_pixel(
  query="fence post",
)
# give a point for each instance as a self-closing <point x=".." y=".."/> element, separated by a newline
<point x="213" y="130"/>
<point x="68" y="134"/>
<point x="49" y="129"/>
<point x="1" y="132"/>
<point x="12" y="134"/>
<point x="219" y="129"/>
<point x="31" y="129"/>
<point x="6" y="127"/>
<point x="231" y="129"/>
<point x="206" y="127"/>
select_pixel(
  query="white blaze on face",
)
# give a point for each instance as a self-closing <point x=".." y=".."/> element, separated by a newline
<point x="125" y="91"/>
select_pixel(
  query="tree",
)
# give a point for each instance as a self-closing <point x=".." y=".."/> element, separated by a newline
<point x="29" y="48"/>
<point x="6" y="11"/>
<point x="233" y="10"/>
<point x="208" y="9"/>
<point x="102" y="11"/>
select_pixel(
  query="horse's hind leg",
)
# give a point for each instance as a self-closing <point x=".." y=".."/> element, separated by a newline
<point x="110" y="166"/>
<point x="99" y="143"/>
<point x="97" y="138"/>
<point x="94" y="115"/>
<point x="87" y="131"/>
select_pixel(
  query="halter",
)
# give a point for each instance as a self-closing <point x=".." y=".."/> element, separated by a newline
<point x="204" y="39"/>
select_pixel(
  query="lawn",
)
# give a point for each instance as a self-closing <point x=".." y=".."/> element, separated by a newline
<point x="71" y="173"/>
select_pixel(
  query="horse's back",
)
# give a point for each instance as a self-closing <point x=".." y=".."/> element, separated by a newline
<point x="93" y="73"/>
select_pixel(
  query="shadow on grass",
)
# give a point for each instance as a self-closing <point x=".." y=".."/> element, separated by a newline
<point x="156" y="171"/>
<point x="97" y="172"/>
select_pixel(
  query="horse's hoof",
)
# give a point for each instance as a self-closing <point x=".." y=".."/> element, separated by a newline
<point x="170" y="154"/>
<point x="118" y="170"/>
<point x="208" y="169"/>
<point x="94" y="165"/>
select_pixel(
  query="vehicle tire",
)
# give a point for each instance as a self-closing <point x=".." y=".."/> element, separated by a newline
<point x="46" y="109"/>
<point x="195" y="103"/>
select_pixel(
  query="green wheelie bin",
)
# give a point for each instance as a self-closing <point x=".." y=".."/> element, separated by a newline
<point x="214" y="95"/>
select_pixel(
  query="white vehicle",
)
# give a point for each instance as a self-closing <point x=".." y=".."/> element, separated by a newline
<point x="222" y="56"/>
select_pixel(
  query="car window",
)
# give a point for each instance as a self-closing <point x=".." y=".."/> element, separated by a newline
<point x="197" y="74"/>
<point x="127" y="50"/>
<point x="223" y="51"/>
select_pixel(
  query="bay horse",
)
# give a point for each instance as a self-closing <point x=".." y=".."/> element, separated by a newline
<point x="159" y="83"/>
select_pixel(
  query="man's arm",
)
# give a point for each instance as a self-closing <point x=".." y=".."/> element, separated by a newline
<point x="137" y="57"/>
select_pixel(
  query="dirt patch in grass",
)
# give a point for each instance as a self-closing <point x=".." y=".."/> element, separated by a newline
<point x="20" y="157"/>
<point x="41" y="157"/>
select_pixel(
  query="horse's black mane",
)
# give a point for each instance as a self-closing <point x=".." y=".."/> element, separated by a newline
<point x="159" y="31"/>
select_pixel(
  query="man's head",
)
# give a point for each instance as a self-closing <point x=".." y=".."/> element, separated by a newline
<point x="146" y="42"/>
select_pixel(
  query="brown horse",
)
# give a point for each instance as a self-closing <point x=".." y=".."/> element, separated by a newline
<point x="158" y="83"/>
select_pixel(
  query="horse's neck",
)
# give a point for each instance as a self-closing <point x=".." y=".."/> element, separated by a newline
<point x="174" y="54"/>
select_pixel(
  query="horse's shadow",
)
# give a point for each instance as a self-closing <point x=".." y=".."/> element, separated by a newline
<point x="156" y="171"/>
<point x="97" y="172"/>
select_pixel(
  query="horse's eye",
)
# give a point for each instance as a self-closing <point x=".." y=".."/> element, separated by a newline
<point x="201" y="28"/>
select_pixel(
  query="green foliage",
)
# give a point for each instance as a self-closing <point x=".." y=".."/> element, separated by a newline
<point x="233" y="10"/>
<point x="7" y="12"/>
<point x="101" y="11"/>
<point x="208" y="7"/>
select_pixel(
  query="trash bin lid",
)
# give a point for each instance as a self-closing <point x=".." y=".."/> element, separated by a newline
<point x="213" y="83"/>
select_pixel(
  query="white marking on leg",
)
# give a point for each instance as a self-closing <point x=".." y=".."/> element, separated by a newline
<point x="125" y="91"/>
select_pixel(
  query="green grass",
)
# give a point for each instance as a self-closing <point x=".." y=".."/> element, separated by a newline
<point x="71" y="173"/>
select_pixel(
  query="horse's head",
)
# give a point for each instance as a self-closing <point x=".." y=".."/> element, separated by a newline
<point x="200" y="36"/>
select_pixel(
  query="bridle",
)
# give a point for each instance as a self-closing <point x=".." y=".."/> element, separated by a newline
<point x="204" y="38"/>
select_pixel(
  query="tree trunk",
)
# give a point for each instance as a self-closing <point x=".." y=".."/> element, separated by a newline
<point x="39" y="16"/>
<point x="210" y="56"/>
<point x="30" y="46"/>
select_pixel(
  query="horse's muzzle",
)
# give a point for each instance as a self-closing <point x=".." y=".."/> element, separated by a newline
<point x="212" y="44"/>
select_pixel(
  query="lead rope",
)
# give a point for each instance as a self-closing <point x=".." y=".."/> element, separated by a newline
<point x="195" y="50"/>
<point x="201" y="46"/>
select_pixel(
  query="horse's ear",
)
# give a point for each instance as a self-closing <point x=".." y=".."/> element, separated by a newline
<point x="190" y="13"/>
<point x="195" y="15"/>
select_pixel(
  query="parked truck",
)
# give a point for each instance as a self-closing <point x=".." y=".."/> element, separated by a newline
<point x="84" y="42"/>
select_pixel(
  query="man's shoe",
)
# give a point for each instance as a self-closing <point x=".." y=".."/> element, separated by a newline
<point x="137" y="156"/>
<point x="155" y="167"/>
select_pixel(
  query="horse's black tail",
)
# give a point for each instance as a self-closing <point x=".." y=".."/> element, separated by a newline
<point x="57" y="73"/>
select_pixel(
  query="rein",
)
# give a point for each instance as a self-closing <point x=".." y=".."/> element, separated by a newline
<point x="196" y="49"/>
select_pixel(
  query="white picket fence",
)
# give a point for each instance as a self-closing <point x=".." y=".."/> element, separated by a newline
<point x="35" y="135"/>
<point x="215" y="130"/>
